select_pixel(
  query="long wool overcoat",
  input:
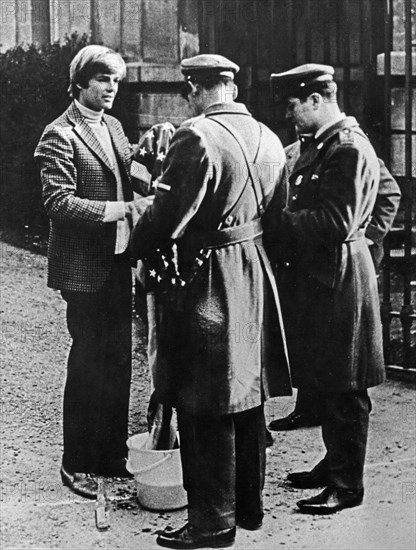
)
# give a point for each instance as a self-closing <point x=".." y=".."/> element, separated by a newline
<point x="225" y="352"/>
<point x="327" y="278"/>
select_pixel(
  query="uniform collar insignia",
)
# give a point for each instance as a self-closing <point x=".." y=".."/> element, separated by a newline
<point x="310" y="154"/>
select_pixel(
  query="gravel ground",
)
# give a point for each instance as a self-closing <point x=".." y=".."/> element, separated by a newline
<point x="38" y="512"/>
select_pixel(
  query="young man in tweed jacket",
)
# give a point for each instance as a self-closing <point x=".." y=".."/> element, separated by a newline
<point x="85" y="162"/>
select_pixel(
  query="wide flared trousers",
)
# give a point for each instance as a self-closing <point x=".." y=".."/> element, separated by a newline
<point x="97" y="389"/>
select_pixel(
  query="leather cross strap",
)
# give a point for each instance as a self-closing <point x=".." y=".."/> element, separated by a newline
<point x="206" y="242"/>
<point x="258" y="193"/>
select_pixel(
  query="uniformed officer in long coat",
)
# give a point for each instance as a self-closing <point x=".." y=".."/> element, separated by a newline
<point x="307" y="408"/>
<point x="224" y="341"/>
<point x="332" y="316"/>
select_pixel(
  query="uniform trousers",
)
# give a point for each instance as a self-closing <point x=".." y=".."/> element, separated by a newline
<point x="223" y="463"/>
<point x="345" y="418"/>
<point x="307" y="402"/>
<point x="97" y="389"/>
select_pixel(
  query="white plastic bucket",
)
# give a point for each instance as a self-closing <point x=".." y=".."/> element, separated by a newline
<point x="158" y="475"/>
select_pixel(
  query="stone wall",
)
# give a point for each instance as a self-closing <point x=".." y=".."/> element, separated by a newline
<point x="152" y="35"/>
<point x="151" y="31"/>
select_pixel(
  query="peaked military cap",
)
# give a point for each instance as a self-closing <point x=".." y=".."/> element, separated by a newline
<point x="291" y="82"/>
<point x="208" y="64"/>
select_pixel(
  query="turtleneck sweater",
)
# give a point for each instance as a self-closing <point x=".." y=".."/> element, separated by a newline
<point x="115" y="210"/>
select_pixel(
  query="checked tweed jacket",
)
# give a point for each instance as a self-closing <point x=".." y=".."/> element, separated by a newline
<point x="77" y="179"/>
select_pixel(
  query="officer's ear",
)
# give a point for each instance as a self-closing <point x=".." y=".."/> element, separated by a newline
<point x="316" y="100"/>
<point x="230" y="91"/>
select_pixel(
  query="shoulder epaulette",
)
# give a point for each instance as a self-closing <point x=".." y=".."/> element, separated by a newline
<point x="346" y="136"/>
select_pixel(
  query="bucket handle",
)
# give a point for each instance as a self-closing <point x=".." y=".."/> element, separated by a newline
<point x="168" y="456"/>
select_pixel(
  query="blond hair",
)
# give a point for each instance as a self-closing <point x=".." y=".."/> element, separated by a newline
<point x="92" y="60"/>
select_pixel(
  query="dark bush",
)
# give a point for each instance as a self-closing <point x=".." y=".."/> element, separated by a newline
<point x="33" y="91"/>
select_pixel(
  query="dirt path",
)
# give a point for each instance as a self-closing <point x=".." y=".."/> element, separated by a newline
<point x="37" y="512"/>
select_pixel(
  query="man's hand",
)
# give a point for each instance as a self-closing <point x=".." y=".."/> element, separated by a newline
<point x="136" y="208"/>
<point x="143" y="203"/>
<point x="131" y="213"/>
